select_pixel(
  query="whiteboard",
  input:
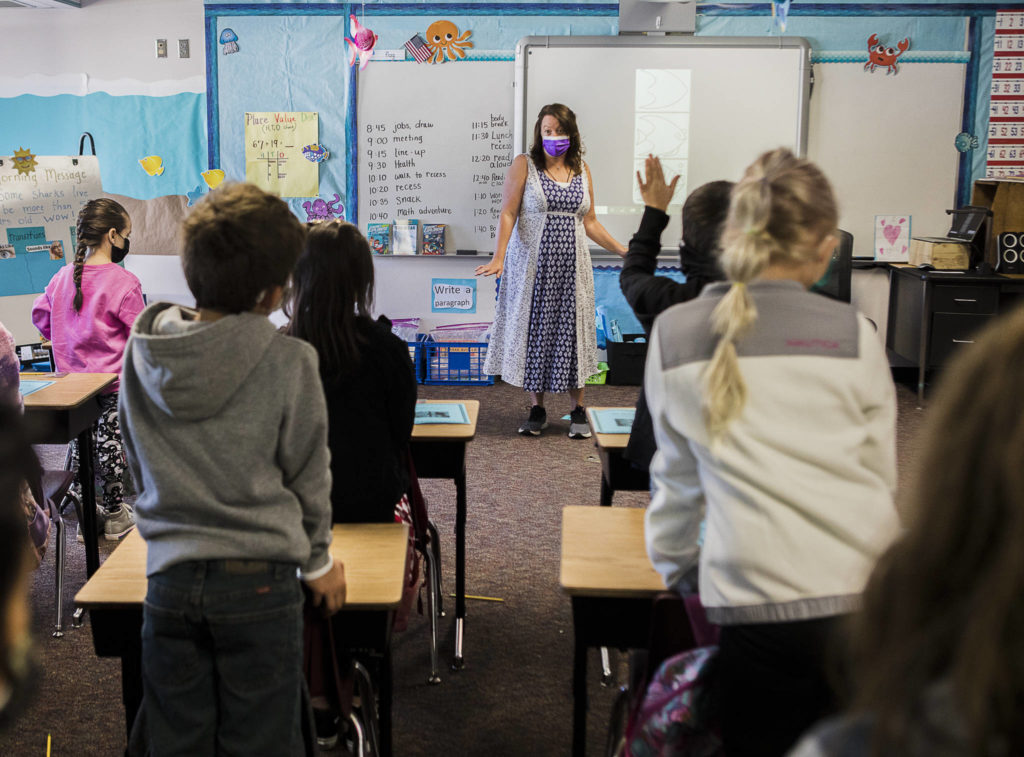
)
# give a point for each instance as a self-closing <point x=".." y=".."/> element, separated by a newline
<point x="745" y="95"/>
<point x="886" y="144"/>
<point x="434" y="143"/>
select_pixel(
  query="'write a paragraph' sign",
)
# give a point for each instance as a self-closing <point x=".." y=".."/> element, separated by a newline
<point x="39" y="205"/>
<point x="453" y="296"/>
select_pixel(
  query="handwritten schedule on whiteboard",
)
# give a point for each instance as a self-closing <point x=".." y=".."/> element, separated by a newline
<point x="434" y="145"/>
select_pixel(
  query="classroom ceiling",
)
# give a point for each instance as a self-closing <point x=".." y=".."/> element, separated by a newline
<point x="40" y="4"/>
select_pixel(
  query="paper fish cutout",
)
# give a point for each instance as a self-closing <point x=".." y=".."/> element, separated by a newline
<point x="362" y="46"/>
<point x="444" y="41"/>
<point x="229" y="39"/>
<point x="321" y="210"/>
<point x="213" y="177"/>
<point x="24" y="161"/>
<point x="152" y="165"/>
<point x="315" y="153"/>
<point x="194" y="195"/>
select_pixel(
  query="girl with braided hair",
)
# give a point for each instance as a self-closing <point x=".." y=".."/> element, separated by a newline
<point x="774" y="412"/>
<point x="87" y="312"/>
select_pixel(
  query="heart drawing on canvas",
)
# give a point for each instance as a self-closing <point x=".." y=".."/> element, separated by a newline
<point x="892" y="231"/>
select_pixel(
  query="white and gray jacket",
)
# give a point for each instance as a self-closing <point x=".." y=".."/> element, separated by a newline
<point x="798" y="490"/>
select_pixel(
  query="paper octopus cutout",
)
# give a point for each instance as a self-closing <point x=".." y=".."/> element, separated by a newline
<point x="362" y="46"/>
<point x="444" y="41"/>
<point x="321" y="210"/>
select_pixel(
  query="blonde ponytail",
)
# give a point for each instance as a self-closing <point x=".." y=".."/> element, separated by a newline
<point x="781" y="206"/>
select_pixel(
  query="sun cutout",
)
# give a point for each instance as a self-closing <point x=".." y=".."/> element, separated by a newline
<point x="24" y="161"/>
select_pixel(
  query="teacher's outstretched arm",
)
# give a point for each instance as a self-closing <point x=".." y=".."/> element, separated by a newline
<point x="595" y="231"/>
<point x="512" y="198"/>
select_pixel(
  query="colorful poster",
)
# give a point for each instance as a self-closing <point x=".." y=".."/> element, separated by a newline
<point x="273" y="152"/>
<point x="1005" y="157"/>
<point x="892" y="238"/>
<point x="40" y="198"/>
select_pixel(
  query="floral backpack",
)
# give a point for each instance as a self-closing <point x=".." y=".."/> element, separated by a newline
<point x="676" y="716"/>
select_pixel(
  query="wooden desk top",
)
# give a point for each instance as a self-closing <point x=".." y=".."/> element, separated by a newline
<point x="373" y="554"/>
<point x="604" y="554"/>
<point x="448" y="432"/>
<point x="608" y="441"/>
<point x="69" y="391"/>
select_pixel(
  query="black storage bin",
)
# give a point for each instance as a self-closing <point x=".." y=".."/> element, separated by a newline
<point x="626" y="361"/>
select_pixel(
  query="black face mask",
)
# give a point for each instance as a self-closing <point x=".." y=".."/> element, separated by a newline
<point x="117" y="254"/>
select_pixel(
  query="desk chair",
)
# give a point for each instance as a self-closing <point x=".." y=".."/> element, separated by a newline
<point x="836" y="283"/>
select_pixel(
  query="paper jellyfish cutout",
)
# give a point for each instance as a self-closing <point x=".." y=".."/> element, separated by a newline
<point x="229" y="39"/>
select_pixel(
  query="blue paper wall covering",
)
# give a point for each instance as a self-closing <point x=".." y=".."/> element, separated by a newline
<point x="126" y="128"/>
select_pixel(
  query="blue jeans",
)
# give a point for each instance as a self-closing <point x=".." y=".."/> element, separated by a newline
<point x="222" y="659"/>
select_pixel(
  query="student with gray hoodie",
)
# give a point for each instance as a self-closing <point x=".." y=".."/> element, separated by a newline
<point x="225" y="430"/>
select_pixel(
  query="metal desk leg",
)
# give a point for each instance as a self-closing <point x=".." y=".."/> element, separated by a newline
<point x="386" y="692"/>
<point x="460" y="565"/>
<point x="86" y="475"/>
<point x="579" y="696"/>
<point x="925" y="337"/>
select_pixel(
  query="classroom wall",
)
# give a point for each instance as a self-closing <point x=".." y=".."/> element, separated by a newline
<point x="68" y="70"/>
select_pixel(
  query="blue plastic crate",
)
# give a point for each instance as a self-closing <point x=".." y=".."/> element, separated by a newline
<point x="455" y="363"/>
<point x="416" y="355"/>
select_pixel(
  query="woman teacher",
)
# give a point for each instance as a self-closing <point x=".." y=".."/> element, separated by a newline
<point x="544" y="338"/>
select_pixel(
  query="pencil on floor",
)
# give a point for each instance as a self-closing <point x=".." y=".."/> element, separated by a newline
<point x="482" y="599"/>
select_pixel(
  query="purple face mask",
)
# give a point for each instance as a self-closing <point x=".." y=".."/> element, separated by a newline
<point x="555" y="146"/>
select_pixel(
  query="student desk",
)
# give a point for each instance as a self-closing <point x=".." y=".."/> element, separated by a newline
<point x="606" y="572"/>
<point x="617" y="473"/>
<point x="439" y="451"/>
<point x="374" y="556"/>
<point x="60" y="412"/>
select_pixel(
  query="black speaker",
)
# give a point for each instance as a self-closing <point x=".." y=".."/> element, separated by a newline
<point x="1011" y="252"/>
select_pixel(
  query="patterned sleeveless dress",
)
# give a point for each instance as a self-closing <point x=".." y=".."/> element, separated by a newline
<point x="543" y="338"/>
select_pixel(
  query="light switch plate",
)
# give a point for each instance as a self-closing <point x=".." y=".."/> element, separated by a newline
<point x="182" y="48"/>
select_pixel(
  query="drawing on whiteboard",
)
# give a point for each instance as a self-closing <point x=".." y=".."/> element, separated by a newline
<point x="24" y="161"/>
<point x="444" y="41"/>
<point x="662" y="123"/>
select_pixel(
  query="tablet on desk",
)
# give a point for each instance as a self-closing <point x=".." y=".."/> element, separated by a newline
<point x="441" y="412"/>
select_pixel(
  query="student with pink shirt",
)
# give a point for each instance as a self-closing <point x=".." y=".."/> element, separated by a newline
<point x="87" y="312"/>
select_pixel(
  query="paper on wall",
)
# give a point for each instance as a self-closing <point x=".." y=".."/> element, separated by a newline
<point x="273" y="152"/>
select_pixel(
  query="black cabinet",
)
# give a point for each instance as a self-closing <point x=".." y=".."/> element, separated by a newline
<point x="933" y="315"/>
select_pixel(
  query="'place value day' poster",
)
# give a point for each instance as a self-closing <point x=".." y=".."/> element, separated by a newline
<point x="40" y="198"/>
<point x="273" y="153"/>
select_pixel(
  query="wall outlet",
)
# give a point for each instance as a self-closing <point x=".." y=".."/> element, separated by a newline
<point x="161" y="48"/>
<point x="182" y="48"/>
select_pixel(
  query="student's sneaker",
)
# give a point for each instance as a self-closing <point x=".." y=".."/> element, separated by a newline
<point x="578" y="426"/>
<point x="537" y="422"/>
<point x="101" y="518"/>
<point x="119" y="522"/>
<point x="326" y="723"/>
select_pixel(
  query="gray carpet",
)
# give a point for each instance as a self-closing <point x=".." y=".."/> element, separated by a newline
<point x="514" y="696"/>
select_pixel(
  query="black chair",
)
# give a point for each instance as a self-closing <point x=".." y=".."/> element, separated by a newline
<point x="836" y="281"/>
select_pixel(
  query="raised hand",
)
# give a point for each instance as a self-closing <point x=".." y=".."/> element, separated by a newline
<point x="654" y="191"/>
